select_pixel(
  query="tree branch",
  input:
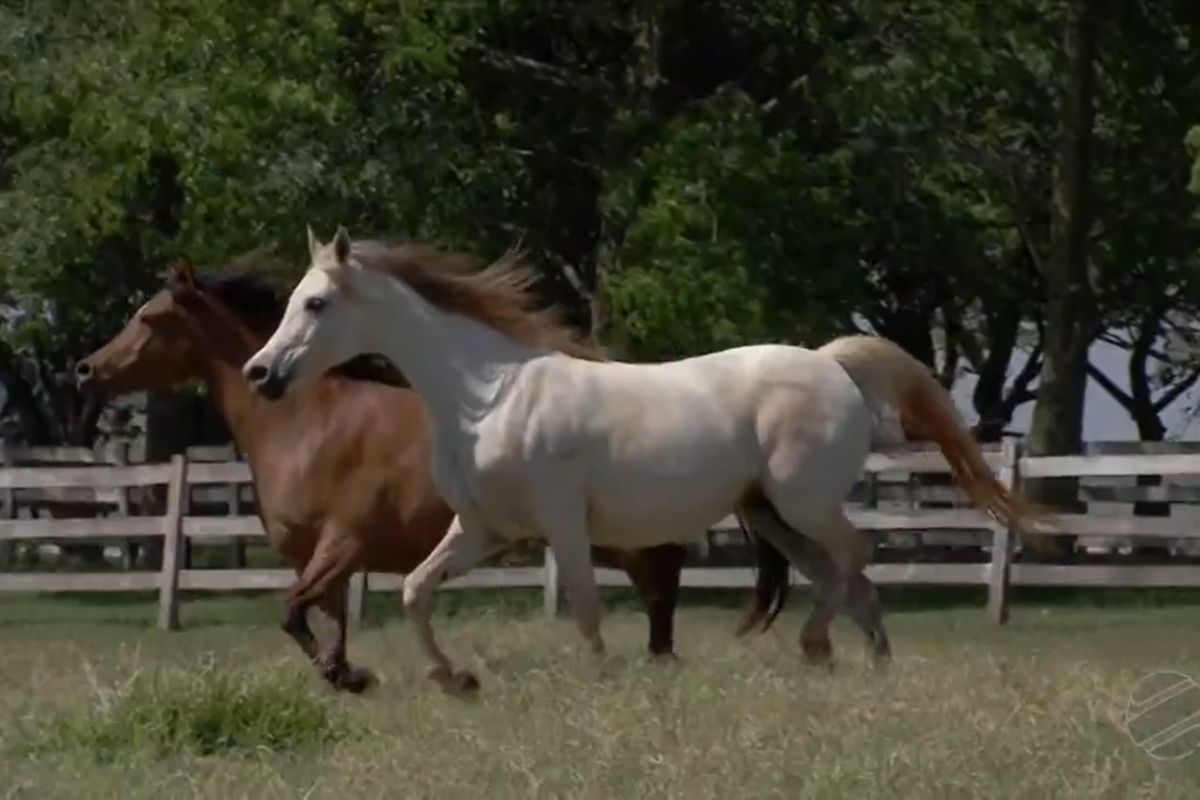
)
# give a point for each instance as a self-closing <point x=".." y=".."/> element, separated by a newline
<point x="1172" y="394"/>
<point x="1020" y="391"/>
<point x="1107" y="384"/>
<point x="1017" y="208"/>
<point x="550" y="76"/>
<point x="968" y="343"/>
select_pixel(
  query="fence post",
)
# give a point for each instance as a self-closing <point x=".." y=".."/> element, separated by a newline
<point x="119" y="455"/>
<point x="173" y="542"/>
<point x="356" y="598"/>
<point x="237" y="547"/>
<point x="1002" y="540"/>
<point x="871" y="501"/>
<point x="8" y="499"/>
<point x="550" y="599"/>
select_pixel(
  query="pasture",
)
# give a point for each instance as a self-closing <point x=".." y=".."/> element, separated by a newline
<point x="96" y="702"/>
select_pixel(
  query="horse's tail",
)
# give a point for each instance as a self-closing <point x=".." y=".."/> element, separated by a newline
<point x="770" y="585"/>
<point x="893" y="382"/>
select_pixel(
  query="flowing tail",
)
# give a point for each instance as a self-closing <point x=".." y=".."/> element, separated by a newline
<point x="895" y="384"/>
<point x="770" y="585"/>
<point x="908" y="404"/>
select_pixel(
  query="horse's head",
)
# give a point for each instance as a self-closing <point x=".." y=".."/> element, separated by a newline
<point x="157" y="348"/>
<point x="321" y="324"/>
<point x="352" y="293"/>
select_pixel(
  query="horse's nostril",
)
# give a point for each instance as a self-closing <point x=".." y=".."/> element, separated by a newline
<point x="256" y="373"/>
<point x="83" y="370"/>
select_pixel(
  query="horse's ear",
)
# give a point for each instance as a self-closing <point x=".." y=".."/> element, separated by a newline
<point x="185" y="273"/>
<point x="182" y="282"/>
<point x="313" y="244"/>
<point x="341" y="245"/>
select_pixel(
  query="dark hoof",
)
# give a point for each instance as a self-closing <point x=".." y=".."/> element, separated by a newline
<point x="818" y="653"/>
<point x="355" y="680"/>
<point x="666" y="657"/>
<point x="459" y="684"/>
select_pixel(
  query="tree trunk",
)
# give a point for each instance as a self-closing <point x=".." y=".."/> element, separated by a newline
<point x="988" y="397"/>
<point x="1151" y="429"/>
<point x="29" y="412"/>
<point x="1070" y="307"/>
<point x="642" y="81"/>
<point x="1145" y="414"/>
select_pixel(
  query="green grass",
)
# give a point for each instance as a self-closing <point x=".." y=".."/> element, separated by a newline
<point x="202" y="710"/>
<point x="103" y="705"/>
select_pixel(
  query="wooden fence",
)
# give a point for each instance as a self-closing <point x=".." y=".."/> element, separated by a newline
<point x="875" y="506"/>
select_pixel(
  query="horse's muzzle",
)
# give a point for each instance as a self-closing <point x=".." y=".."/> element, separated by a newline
<point x="270" y="383"/>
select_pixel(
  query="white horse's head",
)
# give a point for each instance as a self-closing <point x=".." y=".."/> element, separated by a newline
<point x="322" y="326"/>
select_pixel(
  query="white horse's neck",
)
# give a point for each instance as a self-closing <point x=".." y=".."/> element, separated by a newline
<point x="459" y="366"/>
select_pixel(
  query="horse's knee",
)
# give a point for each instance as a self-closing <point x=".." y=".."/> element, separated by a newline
<point x="294" y="622"/>
<point x="585" y="602"/>
<point x="414" y="596"/>
<point x="410" y="599"/>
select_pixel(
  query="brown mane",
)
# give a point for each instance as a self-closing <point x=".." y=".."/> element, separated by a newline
<point x="499" y="295"/>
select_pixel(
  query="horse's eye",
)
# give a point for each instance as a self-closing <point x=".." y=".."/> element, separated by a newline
<point x="314" y="305"/>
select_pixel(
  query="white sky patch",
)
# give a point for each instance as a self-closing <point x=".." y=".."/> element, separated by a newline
<point x="1104" y="420"/>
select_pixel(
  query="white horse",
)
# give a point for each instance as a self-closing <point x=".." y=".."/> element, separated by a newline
<point x="532" y="443"/>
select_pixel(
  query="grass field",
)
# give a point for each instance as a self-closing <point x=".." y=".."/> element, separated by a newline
<point x="96" y="703"/>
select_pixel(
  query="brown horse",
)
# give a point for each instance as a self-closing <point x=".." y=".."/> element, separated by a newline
<point x="341" y="471"/>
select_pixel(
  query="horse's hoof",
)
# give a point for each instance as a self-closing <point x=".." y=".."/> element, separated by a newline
<point x="356" y="680"/>
<point x="459" y="684"/>
<point x="818" y="653"/>
<point x="666" y="657"/>
<point x="463" y="683"/>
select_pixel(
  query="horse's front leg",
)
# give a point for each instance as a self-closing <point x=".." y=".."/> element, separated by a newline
<point x="332" y="659"/>
<point x="295" y="622"/>
<point x="323" y="582"/>
<point x="563" y="524"/>
<point x="464" y="546"/>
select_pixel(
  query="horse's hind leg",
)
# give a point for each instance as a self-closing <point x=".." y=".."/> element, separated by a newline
<point x="815" y="563"/>
<point x="862" y="604"/>
<point x="654" y="572"/>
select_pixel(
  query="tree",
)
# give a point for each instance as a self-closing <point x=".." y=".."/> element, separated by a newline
<point x="1071" y="315"/>
<point x="132" y="133"/>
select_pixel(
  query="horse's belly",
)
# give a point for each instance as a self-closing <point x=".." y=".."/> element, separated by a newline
<point x="676" y="512"/>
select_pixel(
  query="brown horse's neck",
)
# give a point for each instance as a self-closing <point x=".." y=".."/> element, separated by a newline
<point x="227" y="346"/>
<point x="242" y="409"/>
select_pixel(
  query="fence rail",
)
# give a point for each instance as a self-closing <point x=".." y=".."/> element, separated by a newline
<point x="875" y="508"/>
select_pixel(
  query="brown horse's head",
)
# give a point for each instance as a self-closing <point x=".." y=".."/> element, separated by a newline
<point x="174" y="335"/>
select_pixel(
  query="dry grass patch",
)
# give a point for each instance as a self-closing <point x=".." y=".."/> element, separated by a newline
<point x="966" y="711"/>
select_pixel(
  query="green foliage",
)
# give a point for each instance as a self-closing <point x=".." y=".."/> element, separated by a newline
<point x="742" y="238"/>
<point x="135" y="133"/>
<point x="201" y="711"/>
<point x="707" y="174"/>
